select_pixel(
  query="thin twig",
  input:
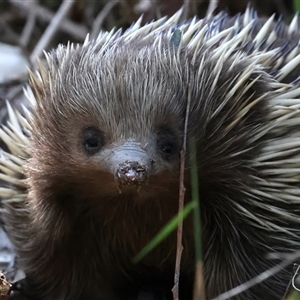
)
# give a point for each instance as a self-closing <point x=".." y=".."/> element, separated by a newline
<point x="28" y="28"/>
<point x="51" y="29"/>
<point x="14" y="39"/>
<point x="7" y="34"/>
<point x="179" y="248"/>
<point x="97" y="25"/>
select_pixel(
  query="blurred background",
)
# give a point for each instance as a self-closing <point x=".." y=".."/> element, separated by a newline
<point x="92" y="15"/>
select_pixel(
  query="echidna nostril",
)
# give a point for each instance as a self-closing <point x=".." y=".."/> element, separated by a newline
<point x="132" y="173"/>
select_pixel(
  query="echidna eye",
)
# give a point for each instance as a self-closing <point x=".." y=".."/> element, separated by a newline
<point x="92" y="140"/>
<point x="167" y="148"/>
<point x="166" y="143"/>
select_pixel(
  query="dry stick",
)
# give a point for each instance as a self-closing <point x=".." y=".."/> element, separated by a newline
<point x="51" y="29"/>
<point x="28" y="28"/>
<point x="97" y="25"/>
<point x="8" y="36"/>
<point x="179" y="248"/>
<point x="77" y="31"/>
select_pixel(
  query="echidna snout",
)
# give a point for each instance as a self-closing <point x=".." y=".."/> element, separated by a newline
<point x="133" y="165"/>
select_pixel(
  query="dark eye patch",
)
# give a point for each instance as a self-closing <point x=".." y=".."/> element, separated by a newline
<point x="167" y="143"/>
<point x="92" y="140"/>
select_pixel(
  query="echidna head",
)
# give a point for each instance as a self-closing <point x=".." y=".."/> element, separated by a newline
<point x="109" y="118"/>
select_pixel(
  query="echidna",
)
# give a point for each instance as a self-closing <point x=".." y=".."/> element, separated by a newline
<point x="93" y="168"/>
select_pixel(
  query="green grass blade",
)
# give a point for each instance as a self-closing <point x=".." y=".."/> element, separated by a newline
<point x="164" y="232"/>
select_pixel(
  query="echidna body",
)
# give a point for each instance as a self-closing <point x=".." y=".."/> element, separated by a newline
<point x="100" y="156"/>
